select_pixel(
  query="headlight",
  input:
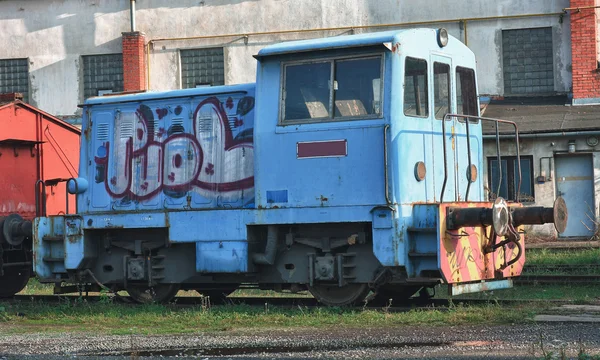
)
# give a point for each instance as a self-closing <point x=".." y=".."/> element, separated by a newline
<point x="442" y="37"/>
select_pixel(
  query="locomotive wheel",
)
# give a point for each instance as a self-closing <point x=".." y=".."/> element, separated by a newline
<point x="161" y="293"/>
<point x="13" y="281"/>
<point x="333" y="295"/>
<point x="396" y="292"/>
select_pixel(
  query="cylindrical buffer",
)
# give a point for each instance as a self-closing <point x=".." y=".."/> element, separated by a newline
<point x="14" y="229"/>
<point x="468" y="217"/>
<point x="538" y="215"/>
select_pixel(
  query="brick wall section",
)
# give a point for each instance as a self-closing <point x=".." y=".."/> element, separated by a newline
<point x="134" y="61"/>
<point x="586" y="79"/>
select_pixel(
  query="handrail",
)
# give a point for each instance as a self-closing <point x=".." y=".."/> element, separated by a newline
<point x="445" y="159"/>
<point x="385" y="163"/>
<point x="469" y="180"/>
<point x="40" y="210"/>
<point x="67" y="194"/>
<point x="499" y="158"/>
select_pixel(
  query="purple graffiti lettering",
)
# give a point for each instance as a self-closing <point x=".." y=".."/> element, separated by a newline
<point x="161" y="113"/>
<point x="174" y="161"/>
<point x="210" y="169"/>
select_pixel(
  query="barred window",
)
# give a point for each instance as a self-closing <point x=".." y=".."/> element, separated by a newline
<point x="102" y="74"/>
<point x="510" y="178"/>
<point x="202" y="67"/>
<point x="14" y="77"/>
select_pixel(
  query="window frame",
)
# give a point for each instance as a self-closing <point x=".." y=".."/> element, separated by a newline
<point x="456" y="76"/>
<point x="83" y="59"/>
<point x="331" y="118"/>
<point x="450" y="92"/>
<point x="197" y="84"/>
<point x="404" y="88"/>
<point x="26" y="94"/>
<point x="510" y="164"/>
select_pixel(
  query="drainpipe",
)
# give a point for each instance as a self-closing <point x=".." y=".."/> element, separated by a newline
<point x="544" y="135"/>
<point x="132" y="14"/>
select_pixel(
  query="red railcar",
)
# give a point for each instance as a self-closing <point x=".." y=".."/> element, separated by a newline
<point x="38" y="153"/>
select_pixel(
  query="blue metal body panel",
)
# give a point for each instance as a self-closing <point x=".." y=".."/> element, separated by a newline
<point x="222" y="256"/>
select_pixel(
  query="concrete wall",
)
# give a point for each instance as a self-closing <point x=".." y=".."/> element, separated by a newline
<point x="545" y="193"/>
<point x="53" y="34"/>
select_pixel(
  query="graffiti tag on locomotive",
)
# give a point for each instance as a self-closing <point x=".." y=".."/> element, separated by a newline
<point x="212" y="158"/>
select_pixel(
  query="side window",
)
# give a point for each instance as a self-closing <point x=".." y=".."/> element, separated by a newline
<point x="307" y="91"/>
<point x="441" y="90"/>
<point x="415" y="88"/>
<point x="357" y="87"/>
<point x="466" y="92"/>
<point x="311" y="93"/>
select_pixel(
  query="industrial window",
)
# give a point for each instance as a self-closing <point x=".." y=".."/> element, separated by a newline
<point x="416" y="98"/>
<point x="528" y="61"/>
<point x="102" y="74"/>
<point x="202" y="67"/>
<point x="14" y="77"/>
<point x="466" y="92"/>
<point x="510" y="178"/>
<point x="311" y="93"/>
<point x="441" y="88"/>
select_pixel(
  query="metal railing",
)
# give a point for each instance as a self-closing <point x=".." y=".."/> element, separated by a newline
<point x="499" y="156"/>
<point x="40" y="201"/>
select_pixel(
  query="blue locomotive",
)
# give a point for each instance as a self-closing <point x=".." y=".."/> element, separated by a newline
<point x="351" y="165"/>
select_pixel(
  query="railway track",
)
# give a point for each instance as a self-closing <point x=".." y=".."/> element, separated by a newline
<point x="560" y="274"/>
<point x="562" y="268"/>
<point x="277" y="302"/>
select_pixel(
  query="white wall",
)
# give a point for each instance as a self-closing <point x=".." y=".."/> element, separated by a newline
<point x="54" y="34"/>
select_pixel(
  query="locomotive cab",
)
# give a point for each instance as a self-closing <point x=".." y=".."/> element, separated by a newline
<point x="351" y="166"/>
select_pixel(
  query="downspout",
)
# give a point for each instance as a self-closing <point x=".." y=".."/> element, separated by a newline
<point x="132" y="14"/>
<point x="544" y="135"/>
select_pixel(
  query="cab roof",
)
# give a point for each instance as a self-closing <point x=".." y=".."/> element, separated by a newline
<point x="170" y="94"/>
<point x="335" y="42"/>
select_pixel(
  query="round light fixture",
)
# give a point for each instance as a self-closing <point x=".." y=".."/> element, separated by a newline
<point x="442" y="37"/>
<point x="500" y="216"/>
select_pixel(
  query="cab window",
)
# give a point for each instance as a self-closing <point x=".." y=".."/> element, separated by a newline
<point x="416" y="98"/>
<point x="466" y="93"/>
<point x="312" y="94"/>
<point x="441" y="89"/>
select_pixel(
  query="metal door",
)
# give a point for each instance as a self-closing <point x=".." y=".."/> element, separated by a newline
<point x="575" y="183"/>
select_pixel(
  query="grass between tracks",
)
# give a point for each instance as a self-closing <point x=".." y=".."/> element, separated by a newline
<point x="584" y="256"/>
<point x="115" y="318"/>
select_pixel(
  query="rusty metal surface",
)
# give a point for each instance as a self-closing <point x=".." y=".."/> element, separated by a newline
<point x="34" y="145"/>
<point x="463" y="256"/>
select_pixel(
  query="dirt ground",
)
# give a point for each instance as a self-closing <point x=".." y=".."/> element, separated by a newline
<point x="530" y="341"/>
